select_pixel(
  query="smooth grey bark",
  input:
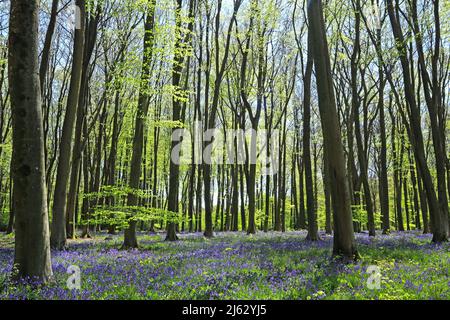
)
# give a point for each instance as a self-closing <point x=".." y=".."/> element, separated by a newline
<point x="432" y="93"/>
<point x="326" y="191"/>
<point x="250" y="167"/>
<point x="177" y="106"/>
<point x="10" y="227"/>
<point x="130" y="239"/>
<point x="383" y="183"/>
<point x="112" y="158"/>
<point x="356" y="102"/>
<point x="211" y="110"/>
<point x="47" y="44"/>
<point x="302" y="210"/>
<point x="32" y="243"/>
<point x="90" y="30"/>
<point x="343" y="240"/>
<point x="423" y="202"/>
<point x="307" y="164"/>
<point x="58" y="234"/>
<point x="415" y="192"/>
<point x="242" y="198"/>
<point x="235" y="180"/>
<point x="438" y="221"/>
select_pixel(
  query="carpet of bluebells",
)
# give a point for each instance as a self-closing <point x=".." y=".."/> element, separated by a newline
<point x="237" y="266"/>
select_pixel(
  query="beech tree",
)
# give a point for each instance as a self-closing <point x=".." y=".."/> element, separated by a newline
<point x="343" y="240"/>
<point x="130" y="239"/>
<point x="353" y="94"/>
<point x="32" y="245"/>
<point x="58" y="236"/>
<point x="437" y="214"/>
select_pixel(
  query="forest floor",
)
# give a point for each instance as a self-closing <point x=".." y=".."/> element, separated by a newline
<point x="237" y="266"/>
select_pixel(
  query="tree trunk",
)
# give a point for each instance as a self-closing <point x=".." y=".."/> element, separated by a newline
<point x="32" y="243"/>
<point x="356" y="101"/>
<point x="301" y="218"/>
<point x="130" y="239"/>
<point x="10" y="227"/>
<point x="83" y="172"/>
<point x="398" y="182"/>
<point x="58" y="236"/>
<point x="113" y="155"/>
<point x="432" y="93"/>
<point x="90" y="37"/>
<point x="310" y="206"/>
<point x="437" y="220"/>
<point x="344" y="241"/>
<point x="211" y="111"/>
<point x="406" y="199"/>
<point x="242" y="197"/>
<point x="326" y="191"/>
<point x="423" y="204"/>
<point x="384" y="184"/>
<point x="45" y="57"/>
<point x="415" y="192"/>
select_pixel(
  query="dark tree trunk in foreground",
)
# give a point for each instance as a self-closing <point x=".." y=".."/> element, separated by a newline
<point x="32" y="243"/>
<point x="130" y="239"/>
<point x="344" y="241"/>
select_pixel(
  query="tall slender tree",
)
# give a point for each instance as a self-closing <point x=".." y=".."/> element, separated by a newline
<point x="32" y="243"/>
<point x="211" y="110"/>
<point x="437" y="217"/>
<point x="130" y="239"/>
<point x="58" y="236"/>
<point x="307" y="163"/>
<point x="343" y="240"/>
<point x="177" y="107"/>
<point x="356" y="102"/>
